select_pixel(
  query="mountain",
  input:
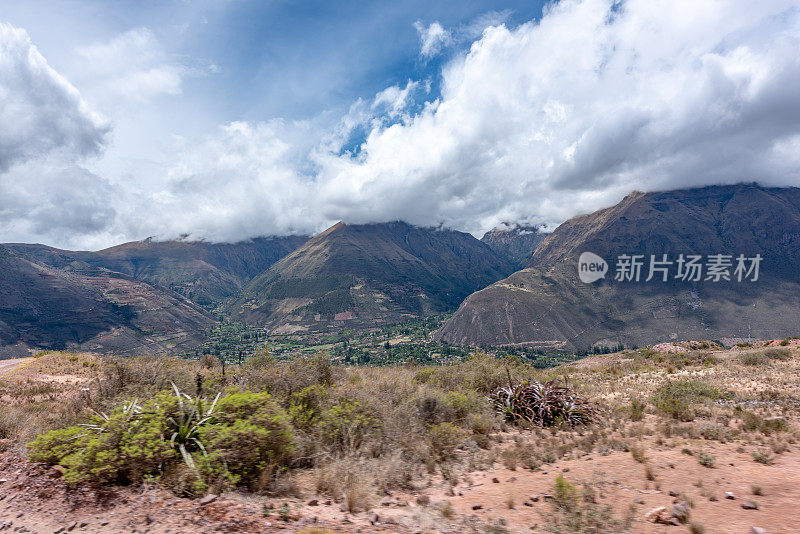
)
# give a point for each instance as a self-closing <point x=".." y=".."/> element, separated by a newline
<point x="204" y="272"/>
<point x="515" y="243"/>
<point x="90" y="309"/>
<point x="547" y="304"/>
<point x="364" y="275"/>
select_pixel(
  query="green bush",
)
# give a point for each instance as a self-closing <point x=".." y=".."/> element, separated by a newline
<point x="250" y="439"/>
<point x="565" y="495"/>
<point x="445" y="438"/>
<point x="637" y="410"/>
<point x="706" y="460"/>
<point x="347" y="423"/>
<point x="677" y="397"/>
<point x="126" y="446"/>
<point x="306" y="406"/>
<point x="233" y="440"/>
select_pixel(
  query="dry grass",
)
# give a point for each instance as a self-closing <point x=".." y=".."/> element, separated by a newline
<point x="427" y="422"/>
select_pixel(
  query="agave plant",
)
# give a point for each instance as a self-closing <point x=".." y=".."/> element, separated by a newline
<point x="544" y="404"/>
<point x="192" y="415"/>
<point x="130" y="410"/>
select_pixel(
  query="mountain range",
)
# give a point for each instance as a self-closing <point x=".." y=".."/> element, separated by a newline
<point x="516" y="286"/>
<point x="366" y="275"/>
<point x="547" y="305"/>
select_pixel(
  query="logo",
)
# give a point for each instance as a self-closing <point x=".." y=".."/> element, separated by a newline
<point x="591" y="267"/>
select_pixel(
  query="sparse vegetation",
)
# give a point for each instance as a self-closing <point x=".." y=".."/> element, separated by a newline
<point x="357" y="433"/>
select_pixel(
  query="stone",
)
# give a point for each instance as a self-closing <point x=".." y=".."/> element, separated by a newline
<point x="343" y="507"/>
<point x="423" y="500"/>
<point x="313" y="502"/>
<point x="477" y="507"/>
<point x="673" y="493"/>
<point x="638" y="501"/>
<point x="680" y="511"/>
<point x="659" y="515"/>
<point x="528" y="503"/>
<point x="72" y="526"/>
<point x="495" y="481"/>
<point x="534" y="498"/>
<point x="374" y="518"/>
<point x="757" y="530"/>
<point x="730" y="495"/>
<point x="749" y="505"/>
<point x="208" y="499"/>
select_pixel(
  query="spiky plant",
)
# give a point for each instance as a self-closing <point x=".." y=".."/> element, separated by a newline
<point x="192" y="415"/>
<point x="544" y="404"/>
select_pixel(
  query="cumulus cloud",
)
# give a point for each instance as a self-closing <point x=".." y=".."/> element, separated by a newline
<point x="570" y="113"/>
<point x="133" y="67"/>
<point x="432" y="38"/>
<point x="41" y="112"/>
<point x="245" y="180"/>
<point x="533" y="125"/>
<point x="56" y="203"/>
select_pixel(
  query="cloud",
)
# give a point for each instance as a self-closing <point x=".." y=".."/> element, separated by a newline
<point x="571" y="113"/>
<point x="533" y="125"/>
<point x="41" y="112"/>
<point x="245" y="180"/>
<point x="432" y="38"/>
<point x="56" y="203"/>
<point x="133" y="67"/>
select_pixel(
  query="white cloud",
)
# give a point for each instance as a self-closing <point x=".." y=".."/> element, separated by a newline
<point x="131" y="67"/>
<point x="569" y="114"/>
<point x="432" y="38"/>
<point x="533" y="125"/>
<point x="40" y="111"/>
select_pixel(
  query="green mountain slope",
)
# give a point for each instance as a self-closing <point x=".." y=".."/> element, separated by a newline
<point x="366" y="275"/>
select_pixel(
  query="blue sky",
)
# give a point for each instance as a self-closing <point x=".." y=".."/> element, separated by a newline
<point x="273" y="59"/>
<point x="226" y="120"/>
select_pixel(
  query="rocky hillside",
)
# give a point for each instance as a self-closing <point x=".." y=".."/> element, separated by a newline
<point x="548" y="305"/>
<point x="90" y="309"/>
<point x="515" y="243"/>
<point x="367" y="275"/>
<point x="204" y="272"/>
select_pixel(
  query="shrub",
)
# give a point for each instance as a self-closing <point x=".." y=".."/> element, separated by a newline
<point x="306" y="406"/>
<point x="251" y="437"/>
<point x="445" y="438"/>
<point x="232" y="440"/>
<point x="676" y="397"/>
<point x="565" y="495"/>
<point x="637" y="410"/>
<point x="776" y="353"/>
<point x="543" y="404"/>
<point x="706" y="460"/>
<point x="638" y="453"/>
<point x="754" y="358"/>
<point x="125" y="446"/>
<point x="347" y="423"/>
<point x="763" y="458"/>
